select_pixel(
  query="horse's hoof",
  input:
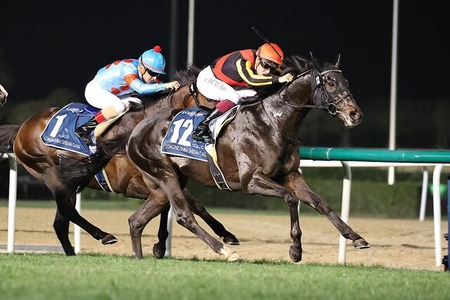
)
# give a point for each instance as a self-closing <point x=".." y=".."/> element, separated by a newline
<point x="361" y="244"/>
<point x="159" y="250"/>
<point x="229" y="254"/>
<point x="295" y="254"/>
<point x="231" y="240"/>
<point x="109" y="239"/>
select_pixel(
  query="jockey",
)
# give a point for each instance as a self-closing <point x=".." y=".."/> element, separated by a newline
<point x="229" y="79"/>
<point x="3" y="95"/>
<point x="111" y="88"/>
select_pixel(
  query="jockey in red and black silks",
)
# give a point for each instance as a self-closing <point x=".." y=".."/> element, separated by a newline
<point x="236" y="69"/>
<point x="231" y="78"/>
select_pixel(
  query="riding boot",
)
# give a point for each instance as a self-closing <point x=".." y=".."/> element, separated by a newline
<point x="85" y="130"/>
<point x="202" y="132"/>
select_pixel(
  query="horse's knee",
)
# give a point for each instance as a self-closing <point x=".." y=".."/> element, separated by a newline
<point x="184" y="219"/>
<point x="290" y="198"/>
<point x="136" y="227"/>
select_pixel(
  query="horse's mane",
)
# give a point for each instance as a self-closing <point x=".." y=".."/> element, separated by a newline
<point x="187" y="75"/>
<point x="296" y="63"/>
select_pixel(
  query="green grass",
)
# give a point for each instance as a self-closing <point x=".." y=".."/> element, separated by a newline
<point x="89" y="276"/>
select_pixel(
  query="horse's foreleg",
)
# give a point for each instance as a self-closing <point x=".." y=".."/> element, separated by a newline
<point x="66" y="209"/>
<point x="295" y="251"/>
<point x="260" y="184"/>
<point x="216" y="226"/>
<point x="154" y="205"/>
<point x="296" y="182"/>
<point x="61" y="227"/>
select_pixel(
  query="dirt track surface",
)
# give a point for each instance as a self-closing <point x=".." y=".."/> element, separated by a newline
<point x="395" y="243"/>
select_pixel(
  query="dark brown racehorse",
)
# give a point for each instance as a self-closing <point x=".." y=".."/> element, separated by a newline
<point x="258" y="152"/>
<point x="44" y="163"/>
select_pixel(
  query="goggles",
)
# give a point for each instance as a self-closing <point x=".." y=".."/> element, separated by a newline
<point x="150" y="72"/>
<point x="267" y="64"/>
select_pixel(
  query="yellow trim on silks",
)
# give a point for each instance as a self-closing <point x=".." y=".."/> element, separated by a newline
<point x="100" y="128"/>
<point x="216" y="173"/>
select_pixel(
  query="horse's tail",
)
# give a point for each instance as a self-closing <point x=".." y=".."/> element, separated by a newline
<point x="7" y="136"/>
<point x="75" y="173"/>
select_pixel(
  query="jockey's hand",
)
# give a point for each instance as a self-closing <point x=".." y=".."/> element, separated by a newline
<point x="174" y="85"/>
<point x="286" y="78"/>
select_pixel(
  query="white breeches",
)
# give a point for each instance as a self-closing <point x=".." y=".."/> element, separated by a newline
<point x="100" y="98"/>
<point x="216" y="89"/>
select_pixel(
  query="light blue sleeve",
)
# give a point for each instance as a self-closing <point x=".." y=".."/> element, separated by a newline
<point x="146" y="88"/>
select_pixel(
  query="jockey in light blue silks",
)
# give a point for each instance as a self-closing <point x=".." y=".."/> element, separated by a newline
<point x="111" y="88"/>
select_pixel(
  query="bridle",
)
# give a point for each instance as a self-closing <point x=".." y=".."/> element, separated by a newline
<point x="321" y="98"/>
<point x="193" y="93"/>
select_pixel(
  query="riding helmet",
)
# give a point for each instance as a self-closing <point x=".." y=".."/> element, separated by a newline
<point x="153" y="59"/>
<point x="272" y="52"/>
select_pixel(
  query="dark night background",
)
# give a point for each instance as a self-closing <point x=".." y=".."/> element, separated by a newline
<point x="52" y="44"/>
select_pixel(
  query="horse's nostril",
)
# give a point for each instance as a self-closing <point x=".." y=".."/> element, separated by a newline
<point x="356" y="114"/>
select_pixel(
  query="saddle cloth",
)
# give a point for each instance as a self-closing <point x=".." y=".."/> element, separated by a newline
<point x="179" y="142"/>
<point x="60" y="130"/>
<point x="60" y="133"/>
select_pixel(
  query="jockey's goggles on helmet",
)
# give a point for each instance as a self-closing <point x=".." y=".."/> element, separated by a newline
<point x="150" y="72"/>
<point x="267" y="64"/>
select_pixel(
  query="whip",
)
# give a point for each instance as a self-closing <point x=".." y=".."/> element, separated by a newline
<point x="267" y="41"/>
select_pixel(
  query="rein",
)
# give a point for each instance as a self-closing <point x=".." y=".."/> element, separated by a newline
<point x="193" y="93"/>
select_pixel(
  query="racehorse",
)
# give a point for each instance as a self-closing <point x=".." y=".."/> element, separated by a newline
<point x="258" y="151"/>
<point x="44" y="162"/>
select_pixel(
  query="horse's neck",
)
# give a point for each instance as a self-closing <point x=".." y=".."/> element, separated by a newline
<point x="284" y="109"/>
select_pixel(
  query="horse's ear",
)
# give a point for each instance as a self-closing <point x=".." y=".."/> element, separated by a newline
<point x="338" y="61"/>
<point x="314" y="61"/>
